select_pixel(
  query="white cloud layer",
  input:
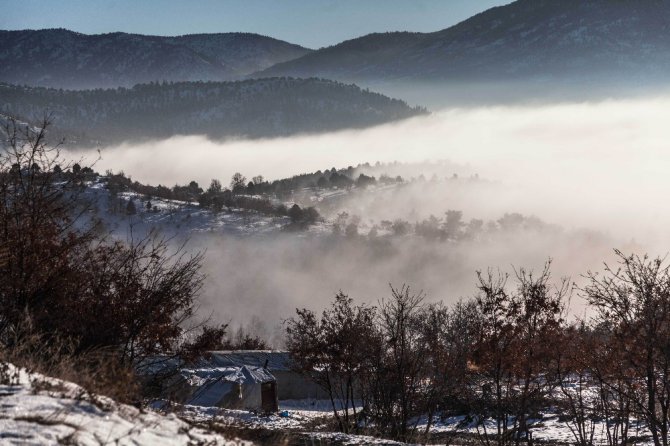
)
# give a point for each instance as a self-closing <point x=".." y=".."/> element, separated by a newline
<point x="601" y="165"/>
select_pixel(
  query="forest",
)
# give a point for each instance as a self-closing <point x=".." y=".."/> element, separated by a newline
<point x="252" y="108"/>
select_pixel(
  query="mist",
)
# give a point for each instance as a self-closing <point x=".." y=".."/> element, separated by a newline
<point x="595" y="170"/>
<point x="269" y="278"/>
<point x="591" y="164"/>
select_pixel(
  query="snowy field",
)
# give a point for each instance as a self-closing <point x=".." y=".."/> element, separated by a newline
<point x="313" y="419"/>
<point x="303" y="421"/>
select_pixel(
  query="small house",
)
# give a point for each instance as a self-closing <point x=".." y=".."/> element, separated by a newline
<point x="245" y="387"/>
<point x="291" y="385"/>
<point x="243" y="379"/>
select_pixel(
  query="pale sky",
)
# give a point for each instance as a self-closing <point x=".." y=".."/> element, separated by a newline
<point x="312" y="23"/>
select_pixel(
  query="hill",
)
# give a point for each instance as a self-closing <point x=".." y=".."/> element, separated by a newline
<point x="66" y="59"/>
<point x="252" y="108"/>
<point x="528" y="39"/>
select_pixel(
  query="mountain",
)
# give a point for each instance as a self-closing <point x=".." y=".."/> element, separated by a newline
<point x="65" y="59"/>
<point x="252" y="108"/>
<point x="527" y="39"/>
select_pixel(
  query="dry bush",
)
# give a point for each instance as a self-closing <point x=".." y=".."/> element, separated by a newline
<point x="97" y="372"/>
<point x="74" y="302"/>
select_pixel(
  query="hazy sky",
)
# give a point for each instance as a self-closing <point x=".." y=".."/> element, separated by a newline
<point x="312" y="23"/>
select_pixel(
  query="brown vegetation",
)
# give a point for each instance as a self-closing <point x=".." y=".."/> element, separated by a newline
<point x="71" y="294"/>
<point x="506" y="356"/>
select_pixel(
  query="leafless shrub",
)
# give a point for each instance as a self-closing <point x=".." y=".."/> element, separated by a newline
<point x="633" y="305"/>
<point x="95" y="306"/>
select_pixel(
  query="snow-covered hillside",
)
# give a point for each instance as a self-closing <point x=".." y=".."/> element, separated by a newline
<point x="38" y="410"/>
<point x="173" y="217"/>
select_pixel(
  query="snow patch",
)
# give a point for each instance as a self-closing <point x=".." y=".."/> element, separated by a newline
<point x="38" y="410"/>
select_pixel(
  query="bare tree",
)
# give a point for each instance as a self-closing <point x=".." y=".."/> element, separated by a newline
<point x="513" y="356"/>
<point x="237" y="182"/>
<point x="451" y="335"/>
<point x="578" y="404"/>
<point x="633" y="304"/>
<point x="396" y="384"/>
<point x="332" y="351"/>
<point x="70" y="278"/>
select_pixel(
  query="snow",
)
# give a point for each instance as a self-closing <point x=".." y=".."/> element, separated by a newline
<point x="350" y="440"/>
<point x="38" y="410"/>
<point x="180" y="218"/>
<point x="246" y="418"/>
<point x="297" y="416"/>
<point x="309" y="418"/>
<point x="173" y="217"/>
<point x="549" y="427"/>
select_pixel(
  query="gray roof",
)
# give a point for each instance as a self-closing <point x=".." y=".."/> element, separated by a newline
<point x="276" y="360"/>
<point x="231" y="374"/>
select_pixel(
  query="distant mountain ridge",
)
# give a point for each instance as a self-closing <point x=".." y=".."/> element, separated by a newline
<point x="66" y="59"/>
<point x="527" y="39"/>
<point x="252" y="108"/>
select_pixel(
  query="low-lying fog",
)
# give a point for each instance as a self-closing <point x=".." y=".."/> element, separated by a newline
<point x="601" y="165"/>
<point x="595" y="166"/>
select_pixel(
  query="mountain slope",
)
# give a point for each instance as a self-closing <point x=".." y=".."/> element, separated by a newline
<point x="534" y="39"/>
<point x="253" y="108"/>
<point x="66" y="59"/>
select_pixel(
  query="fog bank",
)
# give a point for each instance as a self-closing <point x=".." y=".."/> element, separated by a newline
<point x="592" y="164"/>
<point x="597" y="170"/>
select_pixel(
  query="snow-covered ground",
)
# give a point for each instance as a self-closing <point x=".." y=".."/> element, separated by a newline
<point x="549" y="428"/>
<point x="173" y="217"/>
<point x="308" y="421"/>
<point x="313" y="419"/>
<point x="37" y="410"/>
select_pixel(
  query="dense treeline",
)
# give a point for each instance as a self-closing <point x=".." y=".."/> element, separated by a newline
<point x="265" y="197"/>
<point x="257" y="194"/>
<point x="452" y="227"/>
<point x="251" y="108"/>
<point x="240" y="195"/>
<point x="502" y="358"/>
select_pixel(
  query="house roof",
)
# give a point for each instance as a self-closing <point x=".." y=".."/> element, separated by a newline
<point x="276" y="360"/>
<point x="215" y="386"/>
<point x="244" y="374"/>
